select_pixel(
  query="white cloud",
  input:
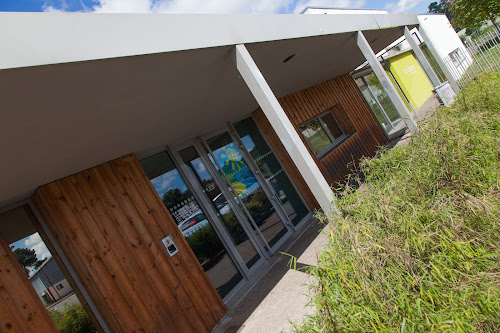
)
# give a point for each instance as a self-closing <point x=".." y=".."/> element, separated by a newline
<point x="204" y="6"/>
<point x="167" y="181"/>
<point x="351" y="4"/>
<point x="51" y="9"/>
<point x="403" y="6"/>
<point x="191" y="6"/>
<point x="123" y="6"/>
<point x="50" y="6"/>
<point x="34" y="242"/>
<point x="222" y="6"/>
<point x="33" y="239"/>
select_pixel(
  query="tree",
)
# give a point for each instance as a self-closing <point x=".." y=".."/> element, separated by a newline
<point x="443" y="6"/>
<point x="174" y="197"/>
<point x="39" y="263"/>
<point x="473" y="13"/>
<point x="25" y="257"/>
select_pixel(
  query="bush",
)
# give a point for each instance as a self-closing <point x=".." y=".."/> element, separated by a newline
<point x="418" y="249"/>
<point x="73" y="319"/>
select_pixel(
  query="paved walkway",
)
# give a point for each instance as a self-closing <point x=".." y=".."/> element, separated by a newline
<point x="279" y="295"/>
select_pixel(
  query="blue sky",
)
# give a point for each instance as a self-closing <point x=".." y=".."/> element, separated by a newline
<point x="207" y="6"/>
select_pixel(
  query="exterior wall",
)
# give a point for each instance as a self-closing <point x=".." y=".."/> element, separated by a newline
<point x="60" y="293"/>
<point x="21" y="310"/>
<point x="443" y="36"/>
<point x="109" y="222"/>
<point x="348" y="105"/>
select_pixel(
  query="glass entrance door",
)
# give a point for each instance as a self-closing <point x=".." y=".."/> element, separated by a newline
<point x="226" y="211"/>
<point x="231" y="199"/>
<point x="268" y="223"/>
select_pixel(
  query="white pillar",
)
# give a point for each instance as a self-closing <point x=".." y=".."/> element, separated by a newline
<point x="439" y="60"/>
<point x="421" y="57"/>
<point x="284" y="128"/>
<point x="386" y="83"/>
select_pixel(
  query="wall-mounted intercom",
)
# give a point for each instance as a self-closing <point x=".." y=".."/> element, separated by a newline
<point x="170" y="245"/>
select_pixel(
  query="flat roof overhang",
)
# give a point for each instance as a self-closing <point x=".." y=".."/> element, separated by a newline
<point x="78" y="90"/>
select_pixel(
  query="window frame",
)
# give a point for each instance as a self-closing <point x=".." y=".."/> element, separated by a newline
<point x="335" y="142"/>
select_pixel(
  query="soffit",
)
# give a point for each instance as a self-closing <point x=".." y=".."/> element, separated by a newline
<point x="61" y="119"/>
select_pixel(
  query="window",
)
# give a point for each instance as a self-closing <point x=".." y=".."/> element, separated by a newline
<point x="322" y="133"/>
<point x="457" y="57"/>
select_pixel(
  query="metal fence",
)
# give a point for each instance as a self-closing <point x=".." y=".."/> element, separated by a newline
<point x="481" y="54"/>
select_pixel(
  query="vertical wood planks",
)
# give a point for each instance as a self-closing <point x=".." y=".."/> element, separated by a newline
<point x="343" y="97"/>
<point x="21" y="309"/>
<point x="109" y="222"/>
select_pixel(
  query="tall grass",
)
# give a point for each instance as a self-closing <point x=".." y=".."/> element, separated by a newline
<point x="417" y="250"/>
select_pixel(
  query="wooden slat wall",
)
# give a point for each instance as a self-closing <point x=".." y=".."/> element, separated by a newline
<point x="342" y="95"/>
<point x="109" y="222"/>
<point x="21" y="309"/>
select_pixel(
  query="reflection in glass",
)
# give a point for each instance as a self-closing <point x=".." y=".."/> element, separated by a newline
<point x="44" y="274"/>
<point x="372" y="102"/>
<point x="316" y="136"/>
<point x="192" y="222"/>
<point x="384" y="100"/>
<point x="271" y="169"/>
<point x="250" y="192"/>
<point x="233" y="226"/>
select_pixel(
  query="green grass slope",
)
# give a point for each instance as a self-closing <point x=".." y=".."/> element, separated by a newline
<point x="418" y="250"/>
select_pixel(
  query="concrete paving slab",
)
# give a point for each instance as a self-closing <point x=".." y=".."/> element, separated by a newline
<point x="280" y="295"/>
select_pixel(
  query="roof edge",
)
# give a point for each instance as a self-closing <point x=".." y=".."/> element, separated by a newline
<point x="35" y="39"/>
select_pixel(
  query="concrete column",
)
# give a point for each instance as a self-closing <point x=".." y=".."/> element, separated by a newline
<point x="421" y="57"/>
<point x="439" y="60"/>
<point x="382" y="76"/>
<point x="284" y="128"/>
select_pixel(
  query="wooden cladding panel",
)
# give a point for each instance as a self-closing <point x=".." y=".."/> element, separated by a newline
<point x="21" y="309"/>
<point x="109" y="222"/>
<point x="342" y="95"/>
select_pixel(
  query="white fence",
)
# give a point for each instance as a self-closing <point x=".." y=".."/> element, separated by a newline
<point x="482" y="54"/>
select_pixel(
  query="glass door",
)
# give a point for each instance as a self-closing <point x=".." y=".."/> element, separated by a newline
<point x="226" y="211"/>
<point x="231" y="199"/>
<point x="268" y="223"/>
<point x="380" y="103"/>
<point x="195" y="222"/>
<point x="257" y="149"/>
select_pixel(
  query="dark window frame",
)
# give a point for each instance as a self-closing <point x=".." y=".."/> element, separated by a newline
<point x="335" y="142"/>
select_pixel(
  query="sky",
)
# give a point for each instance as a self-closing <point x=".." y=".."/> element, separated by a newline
<point x="208" y="6"/>
<point x="33" y="242"/>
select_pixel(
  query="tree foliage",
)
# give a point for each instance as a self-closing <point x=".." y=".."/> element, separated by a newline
<point x="473" y="13"/>
<point x="25" y="257"/>
<point x="73" y="319"/>
<point x="442" y="7"/>
<point x="174" y="197"/>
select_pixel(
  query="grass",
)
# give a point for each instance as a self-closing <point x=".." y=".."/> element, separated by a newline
<point x="417" y="250"/>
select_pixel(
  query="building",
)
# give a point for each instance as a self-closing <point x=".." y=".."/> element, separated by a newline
<point x="165" y="158"/>
<point x="415" y="84"/>
<point x="49" y="282"/>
